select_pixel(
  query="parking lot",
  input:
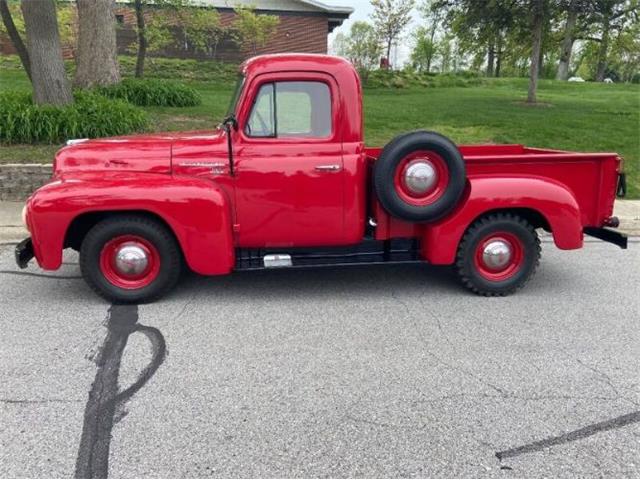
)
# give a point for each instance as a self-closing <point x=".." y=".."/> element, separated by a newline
<point x="367" y="371"/>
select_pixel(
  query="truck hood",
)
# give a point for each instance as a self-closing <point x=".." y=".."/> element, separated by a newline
<point x="136" y="153"/>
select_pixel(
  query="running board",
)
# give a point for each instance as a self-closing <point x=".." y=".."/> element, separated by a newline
<point x="366" y="253"/>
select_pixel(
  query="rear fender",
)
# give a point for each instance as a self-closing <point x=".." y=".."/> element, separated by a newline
<point x="551" y="199"/>
<point x="198" y="211"/>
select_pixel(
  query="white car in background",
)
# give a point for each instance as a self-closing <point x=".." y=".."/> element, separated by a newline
<point x="576" y="79"/>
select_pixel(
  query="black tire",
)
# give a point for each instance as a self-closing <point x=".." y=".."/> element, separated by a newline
<point x="470" y="273"/>
<point x="155" y="233"/>
<point x="390" y="160"/>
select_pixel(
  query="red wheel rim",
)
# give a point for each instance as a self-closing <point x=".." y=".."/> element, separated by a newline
<point x="491" y="259"/>
<point x="123" y="272"/>
<point x="430" y="194"/>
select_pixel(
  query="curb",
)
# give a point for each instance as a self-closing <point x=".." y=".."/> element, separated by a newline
<point x="19" y="180"/>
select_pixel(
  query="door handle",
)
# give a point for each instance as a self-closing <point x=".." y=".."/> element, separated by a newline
<point x="328" y="168"/>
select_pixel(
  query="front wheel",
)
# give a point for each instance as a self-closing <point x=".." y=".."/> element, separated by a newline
<point x="498" y="255"/>
<point x="130" y="259"/>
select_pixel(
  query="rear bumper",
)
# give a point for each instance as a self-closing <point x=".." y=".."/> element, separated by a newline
<point x="24" y="252"/>
<point x="607" y="235"/>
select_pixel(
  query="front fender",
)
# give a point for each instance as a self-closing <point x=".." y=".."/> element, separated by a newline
<point x="198" y="212"/>
<point x="551" y="199"/>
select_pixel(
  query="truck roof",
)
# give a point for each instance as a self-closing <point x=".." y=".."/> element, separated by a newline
<point x="294" y="61"/>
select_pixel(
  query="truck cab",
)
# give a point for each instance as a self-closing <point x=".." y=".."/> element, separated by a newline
<point x="298" y="153"/>
<point x="286" y="181"/>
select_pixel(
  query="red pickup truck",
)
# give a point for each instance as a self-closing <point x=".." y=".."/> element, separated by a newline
<point x="286" y="181"/>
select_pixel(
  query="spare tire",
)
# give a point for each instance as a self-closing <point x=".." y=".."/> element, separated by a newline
<point x="419" y="176"/>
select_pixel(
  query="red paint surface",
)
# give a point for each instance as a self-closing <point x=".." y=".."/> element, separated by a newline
<point x="278" y="198"/>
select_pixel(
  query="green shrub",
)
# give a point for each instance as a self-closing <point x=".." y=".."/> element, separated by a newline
<point x="90" y="116"/>
<point x="181" y="69"/>
<point x="409" y="78"/>
<point x="152" y="92"/>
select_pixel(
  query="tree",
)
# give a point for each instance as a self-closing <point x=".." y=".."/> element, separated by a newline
<point x="424" y="50"/>
<point x="202" y="29"/>
<point x="538" y="10"/>
<point x="574" y="9"/>
<point x="141" y="34"/>
<point x="361" y="47"/>
<point x="425" y="37"/>
<point x="254" y="30"/>
<point x="96" y="58"/>
<point x="390" y="18"/>
<point x="609" y="16"/>
<point x="14" y="36"/>
<point x="482" y="27"/>
<point x="48" y="77"/>
<point x="157" y="29"/>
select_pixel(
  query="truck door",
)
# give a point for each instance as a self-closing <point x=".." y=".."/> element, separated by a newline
<point x="288" y="161"/>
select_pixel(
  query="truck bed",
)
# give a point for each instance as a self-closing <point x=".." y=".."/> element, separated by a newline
<point x="591" y="177"/>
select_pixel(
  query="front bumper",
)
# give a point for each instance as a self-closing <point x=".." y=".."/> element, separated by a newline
<point x="607" y="235"/>
<point x="24" y="252"/>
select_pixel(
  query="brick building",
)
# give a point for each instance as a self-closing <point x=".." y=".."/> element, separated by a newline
<point x="303" y="27"/>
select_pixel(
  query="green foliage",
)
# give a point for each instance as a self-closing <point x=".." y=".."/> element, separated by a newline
<point x="201" y="28"/>
<point x="361" y="47"/>
<point x="182" y="69"/>
<point x="409" y="78"/>
<point x="253" y="30"/>
<point x="91" y="115"/>
<point x="390" y="18"/>
<point x="67" y="26"/>
<point x="152" y="92"/>
<point x="157" y="67"/>
<point x="424" y="51"/>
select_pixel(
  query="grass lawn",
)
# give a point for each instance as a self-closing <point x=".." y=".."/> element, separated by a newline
<point x="580" y="117"/>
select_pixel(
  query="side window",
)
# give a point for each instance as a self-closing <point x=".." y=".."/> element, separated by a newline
<point x="291" y="110"/>
<point x="261" y="122"/>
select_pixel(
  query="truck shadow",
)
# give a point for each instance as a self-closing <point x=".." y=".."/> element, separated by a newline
<point x="320" y="282"/>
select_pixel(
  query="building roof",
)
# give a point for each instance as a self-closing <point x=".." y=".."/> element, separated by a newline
<point x="335" y="14"/>
<point x="278" y="5"/>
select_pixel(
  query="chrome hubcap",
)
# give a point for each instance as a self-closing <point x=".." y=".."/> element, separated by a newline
<point x="497" y="254"/>
<point x="131" y="260"/>
<point x="420" y="177"/>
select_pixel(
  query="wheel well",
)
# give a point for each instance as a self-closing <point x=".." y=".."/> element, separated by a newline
<point x="81" y="225"/>
<point x="535" y="218"/>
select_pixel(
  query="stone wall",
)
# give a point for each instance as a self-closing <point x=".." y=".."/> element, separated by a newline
<point x="18" y="181"/>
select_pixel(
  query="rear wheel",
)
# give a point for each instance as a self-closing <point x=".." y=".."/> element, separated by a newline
<point x="498" y="255"/>
<point x="130" y="259"/>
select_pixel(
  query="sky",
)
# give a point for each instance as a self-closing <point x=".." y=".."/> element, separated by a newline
<point x="362" y="10"/>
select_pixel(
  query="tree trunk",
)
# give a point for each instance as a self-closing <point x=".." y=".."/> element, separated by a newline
<point x="603" y="50"/>
<point x="97" y="56"/>
<point x="142" y="39"/>
<point x="499" y="53"/>
<point x="567" y="43"/>
<point x="389" y="54"/>
<point x="49" y="80"/>
<point x="536" y="48"/>
<point x="491" y="56"/>
<point x="541" y="60"/>
<point x="14" y="36"/>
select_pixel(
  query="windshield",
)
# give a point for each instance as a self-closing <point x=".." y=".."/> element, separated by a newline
<point x="236" y="95"/>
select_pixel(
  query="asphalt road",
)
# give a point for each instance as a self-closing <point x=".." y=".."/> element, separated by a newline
<point x="368" y="371"/>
